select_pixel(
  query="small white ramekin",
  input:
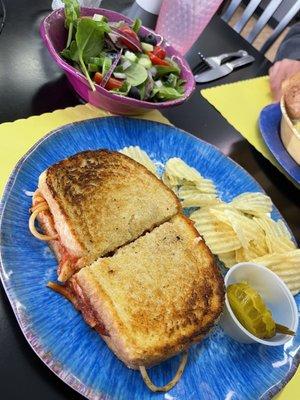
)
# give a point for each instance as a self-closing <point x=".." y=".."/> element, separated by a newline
<point x="275" y="294"/>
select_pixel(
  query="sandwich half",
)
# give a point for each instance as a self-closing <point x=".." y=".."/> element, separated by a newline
<point x="90" y="204"/>
<point x="154" y="297"/>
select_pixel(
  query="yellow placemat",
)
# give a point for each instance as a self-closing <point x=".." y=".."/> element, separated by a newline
<point x="17" y="137"/>
<point x="241" y="103"/>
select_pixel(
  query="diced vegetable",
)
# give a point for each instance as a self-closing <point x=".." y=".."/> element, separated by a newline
<point x="126" y="64"/>
<point x="111" y="84"/>
<point x="147" y="46"/>
<point x="98" y="17"/>
<point x="119" y="75"/>
<point x="145" y="62"/>
<point x="156" y="60"/>
<point x="130" y="56"/>
<point x="106" y="65"/>
<point x="159" y="52"/>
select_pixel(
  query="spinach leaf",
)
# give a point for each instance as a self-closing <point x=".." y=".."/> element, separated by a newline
<point x="136" y="74"/>
<point x="71" y="53"/>
<point x="72" y="11"/>
<point x="164" y="70"/>
<point x="166" y="93"/>
<point x="90" y="42"/>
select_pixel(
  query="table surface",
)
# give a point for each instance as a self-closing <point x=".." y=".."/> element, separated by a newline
<point x="31" y="84"/>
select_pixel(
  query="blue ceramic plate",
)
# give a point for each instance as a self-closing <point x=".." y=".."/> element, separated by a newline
<point x="218" y="368"/>
<point x="269" y="124"/>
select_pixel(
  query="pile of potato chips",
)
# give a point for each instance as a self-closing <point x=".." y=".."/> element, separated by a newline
<point x="241" y="230"/>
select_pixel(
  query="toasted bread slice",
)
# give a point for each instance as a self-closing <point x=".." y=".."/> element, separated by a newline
<point x="101" y="200"/>
<point x="154" y="297"/>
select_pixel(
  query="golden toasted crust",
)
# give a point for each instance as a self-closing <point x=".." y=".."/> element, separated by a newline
<point x="157" y="295"/>
<point x="102" y="200"/>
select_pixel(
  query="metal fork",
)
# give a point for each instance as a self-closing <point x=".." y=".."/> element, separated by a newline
<point x="211" y="62"/>
<point x="222" y="57"/>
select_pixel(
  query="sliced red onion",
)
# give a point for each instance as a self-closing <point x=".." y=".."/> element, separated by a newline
<point x="111" y="70"/>
<point x="123" y="35"/>
<point x="158" y="83"/>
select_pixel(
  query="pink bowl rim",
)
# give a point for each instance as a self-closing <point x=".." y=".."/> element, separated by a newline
<point x="190" y="84"/>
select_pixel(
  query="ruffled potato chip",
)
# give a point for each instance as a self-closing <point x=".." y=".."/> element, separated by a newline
<point x="219" y="236"/>
<point x="279" y="244"/>
<point x="253" y="203"/>
<point x="178" y="173"/>
<point x="285" y="265"/>
<point x="197" y="199"/>
<point x="139" y="155"/>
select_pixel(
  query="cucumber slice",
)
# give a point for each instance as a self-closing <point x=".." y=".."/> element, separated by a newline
<point x="145" y="62"/>
<point x="106" y="65"/>
<point x="130" y="56"/>
<point x="147" y="46"/>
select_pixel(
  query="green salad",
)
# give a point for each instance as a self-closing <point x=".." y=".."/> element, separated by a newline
<point x="117" y="57"/>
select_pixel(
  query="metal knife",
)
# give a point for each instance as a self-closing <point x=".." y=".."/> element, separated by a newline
<point x="222" y="70"/>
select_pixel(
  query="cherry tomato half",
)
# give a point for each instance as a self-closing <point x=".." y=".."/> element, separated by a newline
<point x="156" y="60"/>
<point x="159" y="52"/>
<point x="111" y="84"/>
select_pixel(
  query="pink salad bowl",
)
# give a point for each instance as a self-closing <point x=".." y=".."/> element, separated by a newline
<point x="54" y="35"/>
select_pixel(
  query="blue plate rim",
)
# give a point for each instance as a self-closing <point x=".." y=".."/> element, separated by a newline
<point x="70" y="379"/>
<point x="275" y="154"/>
